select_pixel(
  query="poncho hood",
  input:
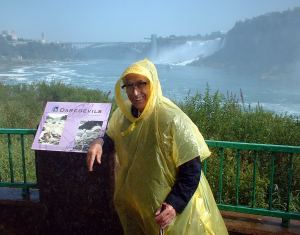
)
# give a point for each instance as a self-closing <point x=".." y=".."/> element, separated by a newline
<point x="145" y="68"/>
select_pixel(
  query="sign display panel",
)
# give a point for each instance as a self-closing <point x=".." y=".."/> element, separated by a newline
<point x="71" y="126"/>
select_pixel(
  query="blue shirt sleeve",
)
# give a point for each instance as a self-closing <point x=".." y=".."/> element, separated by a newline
<point x="186" y="183"/>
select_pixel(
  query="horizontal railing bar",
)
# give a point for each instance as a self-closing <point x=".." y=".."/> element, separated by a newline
<point x="17" y="131"/>
<point x="258" y="211"/>
<point x="211" y="143"/>
<point x="253" y="146"/>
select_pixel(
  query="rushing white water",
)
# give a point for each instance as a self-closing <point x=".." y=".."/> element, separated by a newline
<point x="188" y="52"/>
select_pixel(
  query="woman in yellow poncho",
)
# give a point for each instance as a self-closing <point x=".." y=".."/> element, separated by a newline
<point x="155" y="142"/>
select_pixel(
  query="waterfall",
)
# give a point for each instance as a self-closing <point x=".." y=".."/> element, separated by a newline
<point x="188" y="52"/>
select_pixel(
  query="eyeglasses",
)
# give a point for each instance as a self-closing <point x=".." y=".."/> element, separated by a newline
<point x="138" y="85"/>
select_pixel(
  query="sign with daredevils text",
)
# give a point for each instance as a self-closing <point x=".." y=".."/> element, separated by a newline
<point x="70" y="126"/>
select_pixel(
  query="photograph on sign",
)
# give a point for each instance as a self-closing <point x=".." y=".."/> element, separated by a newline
<point x="71" y="126"/>
<point x="52" y="129"/>
<point x="86" y="133"/>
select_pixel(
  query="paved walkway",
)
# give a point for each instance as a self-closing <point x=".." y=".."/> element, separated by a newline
<point x="239" y="223"/>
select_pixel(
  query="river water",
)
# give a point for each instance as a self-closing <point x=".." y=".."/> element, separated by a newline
<point x="279" y="95"/>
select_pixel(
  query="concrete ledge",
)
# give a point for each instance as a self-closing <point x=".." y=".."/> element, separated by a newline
<point x="239" y="223"/>
<point x="8" y="193"/>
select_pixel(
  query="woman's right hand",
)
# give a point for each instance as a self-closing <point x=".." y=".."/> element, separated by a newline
<point x="94" y="152"/>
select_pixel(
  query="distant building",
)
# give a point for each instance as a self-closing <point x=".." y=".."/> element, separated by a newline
<point x="4" y="33"/>
<point x="43" y="39"/>
<point x="13" y="35"/>
<point x="10" y="36"/>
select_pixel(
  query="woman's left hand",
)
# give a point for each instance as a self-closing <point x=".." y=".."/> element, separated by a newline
<point x="164" y="215"/>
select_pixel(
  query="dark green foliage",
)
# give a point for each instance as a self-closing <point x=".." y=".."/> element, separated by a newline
<point x="22" y="105"/>
<point x="226" y="119"/>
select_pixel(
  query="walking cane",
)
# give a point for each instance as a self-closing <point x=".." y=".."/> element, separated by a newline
<point x="161" y="230"/>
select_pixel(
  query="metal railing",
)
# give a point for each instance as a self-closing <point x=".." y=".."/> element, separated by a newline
<point x="272" y="165"/>
<point x="15" y="159"/>
<point x="247" y="179"/>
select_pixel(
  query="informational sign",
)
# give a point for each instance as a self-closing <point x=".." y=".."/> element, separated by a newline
<point x="70" y="126"/>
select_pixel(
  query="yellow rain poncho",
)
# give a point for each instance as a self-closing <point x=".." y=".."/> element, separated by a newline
<point x="149" y="151"/>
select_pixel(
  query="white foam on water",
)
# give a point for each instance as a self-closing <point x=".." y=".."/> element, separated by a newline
<point x="188" y="52"/>
<point x="9" y="74"/>
<point x="21" y="78"/>
<point x="19" y="70"/>
<point x="39" y="72"/>
<point x="290" y="109"/>
<point x="68" y="71"/>
<point x="56" y="69"/>
<point x="186" y="62"/>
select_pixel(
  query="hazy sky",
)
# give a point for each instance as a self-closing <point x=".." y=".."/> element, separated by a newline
<point x="128" y="20"/>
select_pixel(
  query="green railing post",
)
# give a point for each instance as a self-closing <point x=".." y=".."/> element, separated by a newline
<point x="11" y="167"/>
<point x="237" y="179"/>
<point x="254" y="180"/>
<point x="205" y="167"/>
<point x="0" y="172"/>
<point x="271" y="186"/>
<point x="286" y="222"/>
<point x="25" y="191"/>
<point x="220" y="189"/>
<point x="23" y="159"/>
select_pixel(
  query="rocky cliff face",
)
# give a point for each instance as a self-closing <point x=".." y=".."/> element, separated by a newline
<point x="264" y="43"/>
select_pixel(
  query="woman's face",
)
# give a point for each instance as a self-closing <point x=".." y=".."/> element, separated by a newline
<point x="138" y="90"/>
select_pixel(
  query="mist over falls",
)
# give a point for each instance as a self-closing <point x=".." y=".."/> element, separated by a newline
<point x="172" y="50"/>
<point x="187" y="52"/>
